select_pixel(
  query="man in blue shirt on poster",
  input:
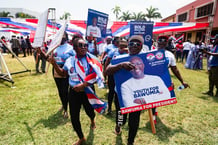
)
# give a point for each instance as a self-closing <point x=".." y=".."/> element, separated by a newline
<point x="93" y="29"/>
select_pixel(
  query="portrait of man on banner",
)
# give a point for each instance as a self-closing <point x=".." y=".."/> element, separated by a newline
<point x="146" y="86"/>
<point x="96" y="24"/>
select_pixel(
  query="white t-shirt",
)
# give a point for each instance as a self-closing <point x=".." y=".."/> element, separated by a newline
<point x="94" y="31"/>
<point x="186" y="46"/>
<point x="149" y="89"/>
<point x="171" y="58"/>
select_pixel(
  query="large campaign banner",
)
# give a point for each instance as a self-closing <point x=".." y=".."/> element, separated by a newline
<point x="96" y="24"/>
<point x="39" y="37"/>
<point x="147" y="86"/>
<point x="145" y="29"/>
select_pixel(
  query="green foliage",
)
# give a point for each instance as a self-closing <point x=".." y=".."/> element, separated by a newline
<point x="152" y="13"/>
<point x="5" y="14"/>
<point x="125" y="16"/>
<point x="116" y="10"/>
<point x="138" y="16"/>
<point x="29" y="113"/>
<point x="65" y="16"/>
<point x="23" y="15"/>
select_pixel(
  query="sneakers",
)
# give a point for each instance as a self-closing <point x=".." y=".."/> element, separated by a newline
<point x="117" y="130"/>
<point x="208" y="93"/>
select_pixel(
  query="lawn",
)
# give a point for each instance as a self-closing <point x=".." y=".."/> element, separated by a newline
<point x="29" y="113"/>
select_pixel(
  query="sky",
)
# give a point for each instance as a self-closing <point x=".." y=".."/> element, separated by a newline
<point x="79" y="8"/>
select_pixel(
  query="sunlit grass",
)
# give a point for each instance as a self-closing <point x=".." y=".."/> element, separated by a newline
<point x="29" y="113"/>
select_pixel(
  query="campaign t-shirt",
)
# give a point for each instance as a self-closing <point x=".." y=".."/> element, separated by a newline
<point x="62" y="53"/>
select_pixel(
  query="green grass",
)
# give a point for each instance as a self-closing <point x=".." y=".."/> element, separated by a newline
<point x="29" y="114"/>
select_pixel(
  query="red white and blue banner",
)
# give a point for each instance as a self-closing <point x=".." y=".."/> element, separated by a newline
<point x="146" y="86"/>
<point x="27" y="26"/>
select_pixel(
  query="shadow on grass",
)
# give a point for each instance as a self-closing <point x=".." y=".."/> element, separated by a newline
<point x="119" y="140"/>
<point x="6" y="83"/>
<point x="30" y="132"/>
<point x="206" y="97"/>
<point x="53" y="121"/>
<point x="162" y="131"/>
<point x="90" y="138"/>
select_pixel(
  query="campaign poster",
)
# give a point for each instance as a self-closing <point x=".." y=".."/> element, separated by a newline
<point x="96" y="24"/>
<point x="39" y="37"/>
<point x="147" y="86"/>
<point x="145" y="29"/>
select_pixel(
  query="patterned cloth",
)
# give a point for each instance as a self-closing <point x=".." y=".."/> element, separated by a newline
<point x="95" y="76"/>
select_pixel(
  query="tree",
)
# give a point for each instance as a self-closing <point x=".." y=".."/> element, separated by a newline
<point x="23" y="15"/>
<point x="152" y="14"/>
<point x="125" y="16"/>
<point x="65" y="16"/>
<point x="5" y="14"/>
<point x="116" y="10"/>
<point x="138" y="16"/>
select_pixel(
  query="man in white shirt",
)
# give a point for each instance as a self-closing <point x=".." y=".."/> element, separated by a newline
<point x="93" y="29"/>
<point x="186" y="48"/>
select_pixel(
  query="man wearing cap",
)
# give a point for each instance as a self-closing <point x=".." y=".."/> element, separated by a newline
<point x="213" y="64"/>
<point x="135" y="44"/>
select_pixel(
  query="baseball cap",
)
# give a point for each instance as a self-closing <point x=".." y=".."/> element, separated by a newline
<point x="137" y="37"/>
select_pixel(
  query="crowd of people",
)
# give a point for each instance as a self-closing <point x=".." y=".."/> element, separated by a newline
<point x="73" y="71"/>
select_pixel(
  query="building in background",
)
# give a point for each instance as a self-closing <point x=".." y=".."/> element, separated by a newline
<point x="199" y="11"/>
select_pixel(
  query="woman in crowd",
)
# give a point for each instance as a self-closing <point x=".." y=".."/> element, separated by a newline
<point x="61" y="54"/>
<point x="79" y="68"/>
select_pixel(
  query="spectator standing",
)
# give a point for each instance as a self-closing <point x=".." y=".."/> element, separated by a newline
<point x="23" y="46"/>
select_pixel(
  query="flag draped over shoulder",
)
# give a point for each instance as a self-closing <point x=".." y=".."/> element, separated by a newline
<point x="95" y="76"/>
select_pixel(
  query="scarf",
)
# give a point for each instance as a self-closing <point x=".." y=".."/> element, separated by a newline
<point x="95" y="75"/>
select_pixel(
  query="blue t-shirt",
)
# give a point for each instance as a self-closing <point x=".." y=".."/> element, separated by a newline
<point x="91" y="47"/>
<point x="69" y="66"/>
<point x="62" y="53"/>
<point x="214" y="59"/>
<point x="109" y="48"/>
<point x="114" y="53"/>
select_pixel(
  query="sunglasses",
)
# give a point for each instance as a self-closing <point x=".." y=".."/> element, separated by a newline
<point x="162" y="40"/>
<point x="81" y="45"/>
<point x="131" y="44"/>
